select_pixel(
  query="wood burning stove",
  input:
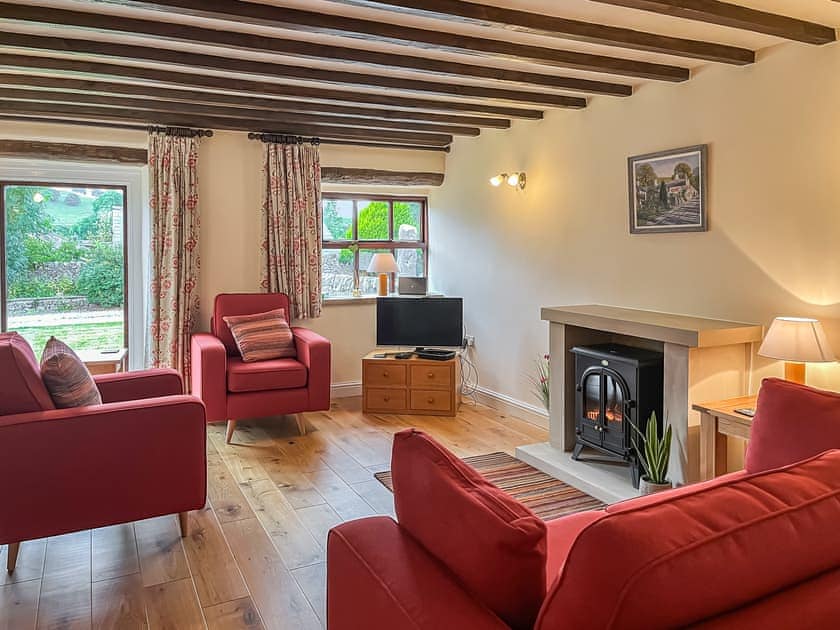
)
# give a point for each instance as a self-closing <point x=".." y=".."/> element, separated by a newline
<point x="617" y="387"/>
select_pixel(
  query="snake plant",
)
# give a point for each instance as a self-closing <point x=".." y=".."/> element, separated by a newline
<point x="654" y="452"/>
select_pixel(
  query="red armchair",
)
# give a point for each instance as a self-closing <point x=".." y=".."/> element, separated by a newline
<point x="138" y="455"/>
<point x="234" y="390"/>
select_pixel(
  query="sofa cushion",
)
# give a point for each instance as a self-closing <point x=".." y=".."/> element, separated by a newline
<point x="262" y="336"/>
<point x="697" y="554"/>
<point x="67" y="378"/>
<point x="227" y="304"/>
<point x="21" y="387"/>
<point x="265" y="375"/>
<point x="792" y="422"/>
<point x="493" y="545"/>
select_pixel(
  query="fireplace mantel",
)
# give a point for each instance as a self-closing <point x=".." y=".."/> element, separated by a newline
<point x="704" y="359"/>
<point x="684" y="330"/>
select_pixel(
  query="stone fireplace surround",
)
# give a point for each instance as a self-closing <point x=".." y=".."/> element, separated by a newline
<point x="705" y="359"/>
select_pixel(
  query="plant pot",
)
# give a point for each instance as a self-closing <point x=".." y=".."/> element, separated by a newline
<point x="646" y="487"/>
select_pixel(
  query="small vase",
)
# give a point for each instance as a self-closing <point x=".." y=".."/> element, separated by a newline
<point x="646" y="487"/>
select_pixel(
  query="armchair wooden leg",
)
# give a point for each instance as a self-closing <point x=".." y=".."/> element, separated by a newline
<point x="11" y="561"/>
<point x="301" y="423"/>
<point x="184" y="523"/>
<point x="231" y="427"/>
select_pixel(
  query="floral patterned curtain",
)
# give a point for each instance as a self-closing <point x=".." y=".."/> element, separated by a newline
<point x="291" y="218"/>
<point x="173" y="199"/>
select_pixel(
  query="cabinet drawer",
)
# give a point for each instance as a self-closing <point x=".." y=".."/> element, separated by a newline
<point x="431" y="376"/>
<point x="431" y="400"/>
<point x="379" y="375"/>
<point x="385" y="399"/>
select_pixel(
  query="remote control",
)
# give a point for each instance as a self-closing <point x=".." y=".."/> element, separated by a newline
<point x="746" y="411"/>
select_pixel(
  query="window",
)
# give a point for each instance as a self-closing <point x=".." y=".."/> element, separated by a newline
<point x="358" y="226"/>
<point x="64" y="264"/>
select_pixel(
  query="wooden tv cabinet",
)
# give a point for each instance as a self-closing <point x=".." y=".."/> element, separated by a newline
<point x="411" y="386"/>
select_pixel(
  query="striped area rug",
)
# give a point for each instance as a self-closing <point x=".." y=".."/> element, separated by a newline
<point x="545" y="496"/>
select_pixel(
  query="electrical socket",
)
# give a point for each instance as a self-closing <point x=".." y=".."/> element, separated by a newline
<point x="469" y="341"/>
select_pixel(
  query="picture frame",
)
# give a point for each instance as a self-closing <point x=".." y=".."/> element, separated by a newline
<point x="668" y="190"/>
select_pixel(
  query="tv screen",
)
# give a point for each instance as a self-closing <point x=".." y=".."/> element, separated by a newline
<point x="423" y="321"/>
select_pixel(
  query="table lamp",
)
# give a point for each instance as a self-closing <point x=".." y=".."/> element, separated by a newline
<point x="383" y="264"/>
<point x="796" y="341"/>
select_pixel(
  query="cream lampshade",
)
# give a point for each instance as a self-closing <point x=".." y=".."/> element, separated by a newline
<point x="797" y="341"/>
<point x="383" y="264"/>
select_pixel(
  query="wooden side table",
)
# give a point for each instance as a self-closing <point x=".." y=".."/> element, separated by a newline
<point x="99" y="362"/>
<point x="719" y="420"/>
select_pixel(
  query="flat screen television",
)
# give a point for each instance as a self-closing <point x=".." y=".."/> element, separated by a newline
<point x="421" y="321"/>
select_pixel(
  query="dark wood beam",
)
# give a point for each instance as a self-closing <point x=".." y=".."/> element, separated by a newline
<point x="281" y="90"/>
<point x="296" y="48"/>
<point x="340" y="175"/>
<point x="325" y="110"/>
<point x="266" y="117"/>
<point x="735" y="16"/>
<point x="554" y="26"/>
<point x="245" y="66"/>
<point x="74" y="152"/>
<point x="220" y="122"/>
<point x="311" y="21"/>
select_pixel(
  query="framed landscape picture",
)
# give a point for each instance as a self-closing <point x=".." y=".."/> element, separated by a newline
<point x="668" y="191"/>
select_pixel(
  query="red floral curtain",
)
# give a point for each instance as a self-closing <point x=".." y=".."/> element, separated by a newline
<point x="173" y="199"/>
<point x="291" y="218"/>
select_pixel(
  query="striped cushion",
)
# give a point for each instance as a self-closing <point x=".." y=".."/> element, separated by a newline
<point x="262" y="336"/>
<point x="66" y="378"/>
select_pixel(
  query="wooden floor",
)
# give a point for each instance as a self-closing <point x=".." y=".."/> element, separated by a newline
<point x="256" y="554"/>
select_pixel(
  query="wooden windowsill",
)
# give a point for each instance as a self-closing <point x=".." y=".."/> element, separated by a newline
<point x="338" y="301"/>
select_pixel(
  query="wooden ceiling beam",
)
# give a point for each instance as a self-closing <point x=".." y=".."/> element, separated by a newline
<point x="371" y="30"/>
<point x="325" y="110"/>
<point x="296" y="48"/>
<point x="12" y="107"/>
<point x="285" y="91"/>
<point x="553" y="26"/>
<point x="266" y="116"/>
<point x="114" y="50"/>
<point x="735" y="16"/>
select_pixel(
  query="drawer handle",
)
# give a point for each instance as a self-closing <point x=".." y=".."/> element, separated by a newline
<point x="431" y="374"/>
<point x="387" y="398"/>
<point x="430" y="400"/>
<point x="385" y="374"/>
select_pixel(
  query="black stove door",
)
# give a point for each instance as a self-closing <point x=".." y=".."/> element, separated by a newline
<point x="615" y="408"/>
<point x="589" y="414"/>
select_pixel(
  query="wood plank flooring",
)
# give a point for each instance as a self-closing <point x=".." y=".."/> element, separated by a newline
<point x="255" y="558"/>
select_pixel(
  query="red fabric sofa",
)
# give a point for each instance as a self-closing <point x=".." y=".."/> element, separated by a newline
<point x="743" y="551"/>
<point x="234" y="390"/>
<point x="138" y="455"/>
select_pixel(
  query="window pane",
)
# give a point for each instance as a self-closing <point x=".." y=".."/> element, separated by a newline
<point x="368" y="281"/>
<point x="65" y="265"/>
<point x="411" y="262"/>
<point x="373" y="220"/>
<point x="338" y="219"/>
<point x="407" y="221"/>
<point x="337" y="272"/>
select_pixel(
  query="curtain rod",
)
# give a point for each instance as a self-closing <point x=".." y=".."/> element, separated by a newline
<point x="275" y="138"/>
<point x="183" y="132"/>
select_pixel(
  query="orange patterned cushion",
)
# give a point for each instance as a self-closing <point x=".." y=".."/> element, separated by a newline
<point x="262" y="336"/>
<point x="66" y="378"/>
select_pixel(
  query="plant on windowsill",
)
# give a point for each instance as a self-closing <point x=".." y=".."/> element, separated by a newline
<point x="654" y="456"/>
<point x="541" y="380"/>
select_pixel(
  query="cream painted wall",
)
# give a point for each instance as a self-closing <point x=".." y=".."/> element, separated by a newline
<point x="229" y="194"/>
<point x="774" y="209"/>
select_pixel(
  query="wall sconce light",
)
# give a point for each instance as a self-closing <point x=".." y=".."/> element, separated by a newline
<point x="515" y="180"/>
